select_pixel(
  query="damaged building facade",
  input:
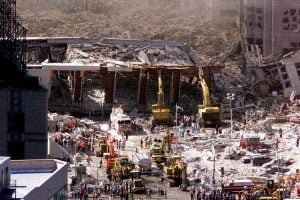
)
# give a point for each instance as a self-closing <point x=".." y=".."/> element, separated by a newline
<point x="87" y="74"/>
<point x="271" y="26"/>
<point x="279" y="77"/>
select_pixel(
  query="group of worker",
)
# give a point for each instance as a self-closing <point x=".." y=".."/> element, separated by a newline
<point x="146" y="142"/>
<point x="121" y="188"/>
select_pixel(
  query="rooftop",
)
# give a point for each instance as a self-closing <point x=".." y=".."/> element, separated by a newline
<point x="3" y="159"/>
<point x="31" y="174"/>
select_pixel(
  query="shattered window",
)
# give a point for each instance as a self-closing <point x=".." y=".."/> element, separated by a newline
<point x="259" y="10"/>
<point x="259" y="41"/>
<point x="251" y="24"/>
<point x="294" y="44"/>
<point x="285" y="20"/>
<point x="285" y="76"/>
<point x="259" y="25"/>
<point x="290" y="19"/>
<point x="287" y="84"/>
<point x="250" y="40"/>
<point x="295" y="19"/>
<point x="283" y="69"/>
<point x="297" y="65"/>
<point x="292" y="12"/>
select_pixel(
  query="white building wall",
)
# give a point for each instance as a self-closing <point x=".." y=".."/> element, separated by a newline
<point x="44" y="78"/>
<point x="4" y="173"/>
<point x="58" y="180"/>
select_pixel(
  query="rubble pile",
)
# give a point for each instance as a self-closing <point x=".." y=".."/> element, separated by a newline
<point x="199" y="152"/>
<point x="173" y="20"/>
<point x="162" y="55"/>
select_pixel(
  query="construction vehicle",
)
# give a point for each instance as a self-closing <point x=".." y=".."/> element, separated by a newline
<point x="110" y="161"/>
<point x="120" y="121"/>
<point x="210" y="115"/>
<point x="157" y="152"/>
<point x="175" y="172"/>
<point x="161" y="148"/>
<point x="101" y="146"/>
<point x="160" y="112"/>
<point x="142" y="162"/>
<point x="138" y="185"/>
<point x="123" y="166"/>
<point x="269" y="190"/>
<point x="237" y="186"/>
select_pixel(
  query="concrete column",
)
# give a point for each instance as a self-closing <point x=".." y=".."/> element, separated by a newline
<point x="177" y="86"/>
<point x="143" y="90"/>
<point x="109" y="87"/>
<point x="147" y="84"/>
<point x="115" y="88"/>
<point x="139" y="86"/>
<point x="78" y="86"/>
<point x="172" y="89"/>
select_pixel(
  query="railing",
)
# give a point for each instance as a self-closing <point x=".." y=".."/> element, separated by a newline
<point x="12" y="35"/>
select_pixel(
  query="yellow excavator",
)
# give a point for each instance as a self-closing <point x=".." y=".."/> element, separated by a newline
<point x="160" y="112"/>
<point x="175" y="172"/>
<point x="209" y="114"/>
<point x="160" y="150"/>
<point x="123" y="166"/>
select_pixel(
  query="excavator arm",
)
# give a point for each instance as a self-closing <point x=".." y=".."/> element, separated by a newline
<point x="205" y="90"/>
<point x="160" y="113"/>
<point x="207" y="112"/>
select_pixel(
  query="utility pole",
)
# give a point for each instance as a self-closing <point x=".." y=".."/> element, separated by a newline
<point x="230" y="97"/>
<point x="277" y="152"/>
<point x="214" y="166"/>
<point x="176" y="116"/>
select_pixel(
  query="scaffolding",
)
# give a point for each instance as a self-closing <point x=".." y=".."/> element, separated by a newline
<point x="12" y="35"/>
